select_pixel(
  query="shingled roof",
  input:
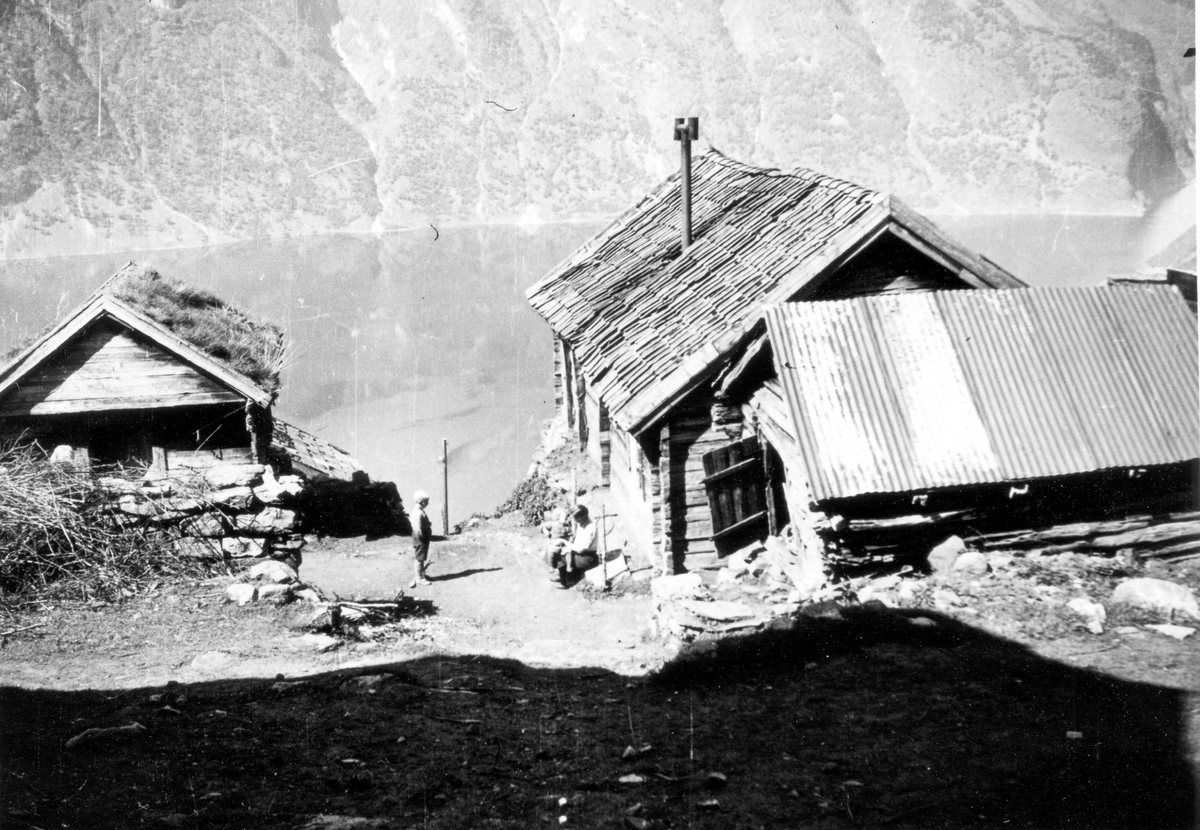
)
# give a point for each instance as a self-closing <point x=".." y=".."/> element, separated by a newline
<point x="646" y="323"/>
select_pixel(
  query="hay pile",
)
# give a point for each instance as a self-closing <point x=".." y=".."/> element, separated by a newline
<point x="59" y="535"/>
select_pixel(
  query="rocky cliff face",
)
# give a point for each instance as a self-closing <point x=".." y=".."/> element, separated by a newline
<point x="144" y="124"/>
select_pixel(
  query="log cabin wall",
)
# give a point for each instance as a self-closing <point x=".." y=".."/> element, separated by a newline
<point x="690" y="433"/>
<point x="597" y="440"/>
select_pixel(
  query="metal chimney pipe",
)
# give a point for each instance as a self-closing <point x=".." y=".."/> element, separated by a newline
<point x="687" y="130"/>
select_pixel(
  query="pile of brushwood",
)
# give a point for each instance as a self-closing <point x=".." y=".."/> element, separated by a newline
<point x="60" y="537"/>
<point x="534" y="498"/>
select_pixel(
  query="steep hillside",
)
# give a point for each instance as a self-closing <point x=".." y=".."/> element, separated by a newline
<point x="128" y="124"/>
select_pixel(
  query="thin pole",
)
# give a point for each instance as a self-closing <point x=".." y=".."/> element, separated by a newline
<point x="445" y="488"/>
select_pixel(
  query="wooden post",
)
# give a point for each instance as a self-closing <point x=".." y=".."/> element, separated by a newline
<point x="603" y="547"/>
<point x="769" y="481"/>
<point x="445" y="488"/>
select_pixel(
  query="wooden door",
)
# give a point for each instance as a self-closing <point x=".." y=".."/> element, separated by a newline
<point x="736" y="486"/>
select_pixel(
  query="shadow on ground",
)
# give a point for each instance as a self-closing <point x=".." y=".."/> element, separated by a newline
<point x="877" y="719"/>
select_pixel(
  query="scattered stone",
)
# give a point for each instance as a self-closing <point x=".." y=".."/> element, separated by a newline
<point x="308" y="595"/>
<point x="273" y="571"/>
<point x="906" y="592"/>
<point x="367" y="682"/>
<point x="671" y="587"/>
<point x="942" y="558"/>
<point x="631" y="778"/>
<point x="826" y="610"/>
<point x="709" y="804"/>
<point x="637" y="823"/>
<point x="944" y="599"/>
<point x="1179" y="632"/>
<point x="243" y="547"/>
<point x="276" y="593"/>
<point x="270" y="521"/>
<point x="715" y="781"/>
<point x="107" y="735"/>
<point x="922" y="622"/>
<point x="1093" y="613"/>
<point x="719" y="610"/>
<point x="240" y="592"/>
<point x="211" y="660"/>
<point x="1157" y="595"/>
<point x="972" y="563"/>
<point x="235" y="498"/>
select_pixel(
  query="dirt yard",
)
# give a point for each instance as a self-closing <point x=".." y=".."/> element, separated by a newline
<point x="503" y="701"/>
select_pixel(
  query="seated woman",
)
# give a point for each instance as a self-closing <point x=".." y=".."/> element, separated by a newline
<point x="570" y="558"/>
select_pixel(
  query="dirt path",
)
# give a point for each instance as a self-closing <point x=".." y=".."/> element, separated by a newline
<point x="491" y="595"/>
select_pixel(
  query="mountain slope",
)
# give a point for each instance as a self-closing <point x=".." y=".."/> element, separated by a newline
<point x="174" y="122"/>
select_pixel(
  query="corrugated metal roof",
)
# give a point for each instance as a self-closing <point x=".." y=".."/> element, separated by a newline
<point x="918" y="391"/>
<point x="644" y="322"/>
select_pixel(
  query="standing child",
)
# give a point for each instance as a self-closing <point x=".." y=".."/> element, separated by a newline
<point x="422" y="533"/>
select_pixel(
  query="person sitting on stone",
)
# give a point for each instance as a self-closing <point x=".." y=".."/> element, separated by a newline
<point x="570" y="558"/>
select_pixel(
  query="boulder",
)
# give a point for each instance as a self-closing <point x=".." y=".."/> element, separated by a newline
<point x="239" y="547"/>
<point x="271" y="521"/>
<point x="970" y="563"/>
<point x="206" y="525"/>
<point x="239" y="499"/>
<point x="1157" y="595"/>
<point x="273" y="571"/>
<point x="234" y="475"/>
<point x="275" y="592"/>
<point x="942" y="558"/>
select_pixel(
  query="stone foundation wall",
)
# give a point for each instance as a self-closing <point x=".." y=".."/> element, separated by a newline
<point x="225" y="512"/>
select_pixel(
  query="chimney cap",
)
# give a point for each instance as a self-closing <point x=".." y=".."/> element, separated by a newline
<point x="687" y="129"/>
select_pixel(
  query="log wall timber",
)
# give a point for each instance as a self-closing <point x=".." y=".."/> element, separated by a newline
<point x="197" y="460"/>
<point x="1095" y="513"/>
<point x="691" y="433"/>
<point x="559" y="396"/>
<point x="106" y="368"/>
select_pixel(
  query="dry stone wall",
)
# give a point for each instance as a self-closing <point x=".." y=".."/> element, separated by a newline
<point x="237" y="511"/>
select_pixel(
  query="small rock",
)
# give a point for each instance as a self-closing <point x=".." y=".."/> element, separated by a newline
<point x="715" y="781"/>
<point x="942" y="558"/>
<point x="275" y="592"/>
<point x="906" y="592"/>
<point x="709" y="804"/>
<point x="922" y="622"/>
<point x="308" y="595"/>
<point x="629" y="753"/>
<point x="107" y="735"/>
<point x="240" y="592"/>
<point x="632" y="778"/>
<point x="637" y="823"/>
<point x="1093" y="613"/>
<point x="1179" y="632"/>
<point x="972" y="563"/>
<point x="1157" y="595"/>
<point x="719" y="610"/>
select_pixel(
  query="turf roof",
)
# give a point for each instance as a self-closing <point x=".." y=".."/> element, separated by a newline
<point x="250" y="347"/>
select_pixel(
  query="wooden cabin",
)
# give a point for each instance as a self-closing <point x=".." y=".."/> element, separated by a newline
<point x="646" y="332"/>
<point x="147" y="373"/>
<point x="900" y="420"/>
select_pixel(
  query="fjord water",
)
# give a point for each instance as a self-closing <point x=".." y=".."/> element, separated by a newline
<point x="400" y="340"/>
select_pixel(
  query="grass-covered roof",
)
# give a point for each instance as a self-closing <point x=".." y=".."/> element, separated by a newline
<point x="250" y="347"/>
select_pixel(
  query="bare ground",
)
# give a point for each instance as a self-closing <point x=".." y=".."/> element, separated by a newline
<point x="504" y="702"/>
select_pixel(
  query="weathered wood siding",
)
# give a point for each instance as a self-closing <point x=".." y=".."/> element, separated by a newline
<point x="108" y="369"/>
<point x="690" y="434"/>
<point x="597" y="440"/>
<point x="633" y="496"/>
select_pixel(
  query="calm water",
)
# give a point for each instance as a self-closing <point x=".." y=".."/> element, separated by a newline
<point x="400" y="341"/>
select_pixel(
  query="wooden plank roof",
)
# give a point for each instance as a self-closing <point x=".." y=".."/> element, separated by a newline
<point x="909" y="392"/>
<point x="647" y="324"/>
